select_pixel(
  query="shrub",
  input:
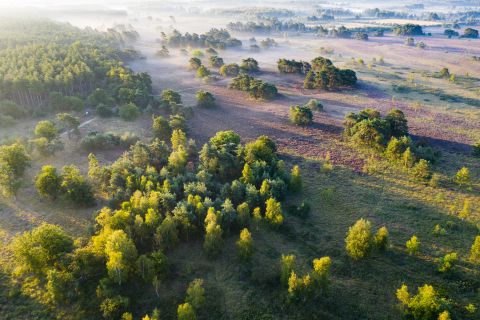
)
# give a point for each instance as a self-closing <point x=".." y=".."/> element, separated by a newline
<point x="229" y="70"/>
<point x="301" y="115"/>
<point x="48" y="182"/>
<point x="75" y="187"/>
<point x="216" y="62"/>
<point x="447" y="263"/>
<point x="256" y="88"/>
<point x="129" y="112"/>
<point x="205" y="99"/>
<point x="359" y="240"/>
<point x="314" y="105"/>
<point x="412" y="245"/>
<point x="195" y="63"/>
<point x="381" y="239"/>
<point x="202" y="72"/>
<point x="476" y="149"/>
<point x="249" y="65"/>
<point x="186" y="312"/>
<point x="104" y="111"/>
<point x="295" y="179"/>
<point x="100" y="141"/>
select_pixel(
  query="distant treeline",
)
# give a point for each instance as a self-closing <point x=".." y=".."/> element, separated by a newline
<point x="215" y="38"/>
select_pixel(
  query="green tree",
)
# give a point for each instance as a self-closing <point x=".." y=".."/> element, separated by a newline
<point x="408" y="158"/>
<point x="48" y="182"/>
<point x="203" y="72"/>
<point x="161" y="128"/>
<point x="359" y="240"/>
<point x="301" y="115"/>
<point x="205" y="99"/>
<point x="166" y="235"/>
<point x="179" y="139"/>
<point x="295" y="179"/>
<point x="426" y="304"/>
<point x="421" y="170"/>
<point x="40" y="249"/>
<point x="287" y="266"/>
<point x="121" y="255"/>
<point x="46" y="129"/>
<point x="213" y="236"/>
<point x="462" y="177"/>
<point x="196" y="294"/>
<point x="186" y="312"/>
<point x="75" y="187"/>
<point x="243" y="214"/>
<point x="412" y="245"/>
<point x="447" y="263"/>
<point x="475" y="251"/>
<point x="273" y="212"/>
<point x="381" y="239"/>
<point x="245" y="245"/>
<point x="129" y="112"/>
<point x="320" y="272"/>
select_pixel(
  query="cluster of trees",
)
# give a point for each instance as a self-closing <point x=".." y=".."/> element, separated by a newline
<point x="324" y="75"/>
<point x="310" y="285"/>
<point x="159" y="193"/>
<point x="53" y="73"/>
<point x="256" y="88"/>
<point x="408" y="30"/>
<point x="390" y="135"/>
<point x="292" y="66"/>
<point x="215" y="38"/>
<point x="70" y="183"/>
<point x="14" y="161"/>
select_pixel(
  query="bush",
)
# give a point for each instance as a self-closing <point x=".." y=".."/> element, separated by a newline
<point x="100" y="141"/>
<point x="447" y="263"/>
<point x="475" y="251"/>
<point x="46" y="129"/>
<point x="412" y="245"/>
<point x="421" y="170"/>
<point x="359" y="240"/>
<point x="314" y="105"/>
<point x="301" y="115"/>
<point x="129" y="112"/>
<point x="195" y="63"/>
<point x="381" y="239"/>
<point x="256" y="88"/>
<point x="48" y="182"/>
<point x="202" y="72"/>
<point x="104" y="111"/>
<point x="216" y="62"/>
<point x="75" y="187"/>
<point x="426" y="304"/>
<point x="249" y="65"/>
<point x="273" y="212"/>
<point x="229" y="70"/>
<point x="205" y="99"/>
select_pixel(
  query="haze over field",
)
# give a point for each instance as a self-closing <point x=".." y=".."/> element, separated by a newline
<point x="276" y="159"/>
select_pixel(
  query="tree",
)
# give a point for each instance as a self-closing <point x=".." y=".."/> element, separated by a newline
<point x="408" y="158"/>
<point x="249" y="65"/>
<point x="273" y="212"/>
<point x="426" y="304"/>
<point x="320" y="273"/>
<point x="166" y="235"/>
<point x="421" y="170"/>
<point x="48" y="182"/>
<point x="186" y="312"/>
<point x="462" y="177"/>
<point x="229" y="70"/>
<point x="179" y="139"/>
<point x="216" y="62"/>
<point x="196" y="294"/>
<point x="195" y="63"/>
<point x="301" y="115"/>
<point x="129" y="112"/>
<point x="40" y="249"/>
<point x="412" y="245"/>
<point x="161" y="128"/>
<point x="475" y="251"/>
<point x="46" y="129"/>
<point x="447" y="263"/>
<point x="121" y="254"/>
<point x="213" y="238"/>
<point x="203" y="72"/>
<point x="295" y="179"/>
<point x="359" y="240"/>
<point x="397" y="123"/>
<point x="14" y="160"/>
<point x="205" y="99"/>
<point x="75" y="187"/>
<point x="70" y="122"/>
<point x="470" y="33"/>
<point x="287" y="266"/>
<point x="245" y="245"/>
<point x="243" y="214"/>
<point x="381" y="238"/>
